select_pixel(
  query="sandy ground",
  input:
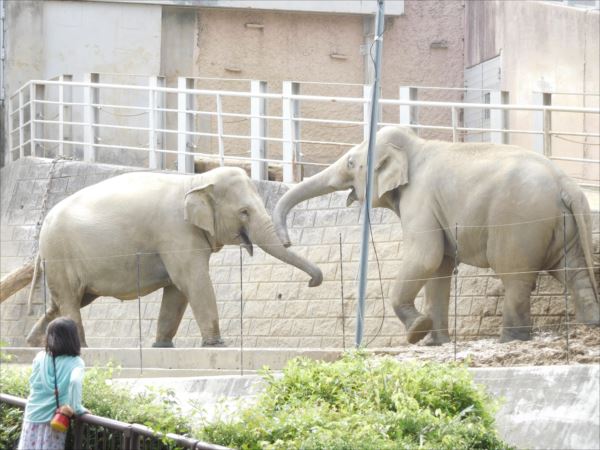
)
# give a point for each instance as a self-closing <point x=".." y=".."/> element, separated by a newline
<point x="543" y="349"/>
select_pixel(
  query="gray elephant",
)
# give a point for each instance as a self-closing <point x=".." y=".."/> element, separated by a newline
<point x="508" y="203"/>
<point x="91" y="243"/>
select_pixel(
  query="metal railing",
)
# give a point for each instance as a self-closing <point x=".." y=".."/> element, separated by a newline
<point x="170" y="128"/>
<point x="92" y="432"/>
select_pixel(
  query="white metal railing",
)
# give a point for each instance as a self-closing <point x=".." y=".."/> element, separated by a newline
<point x="171" y="127"/>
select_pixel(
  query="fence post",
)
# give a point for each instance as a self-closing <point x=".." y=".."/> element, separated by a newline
<point x="156" y="159"/>
<point x="367" y="95"/>
<point x="21" y="124"/>
<point x="220" y="142"/>
<point x="8" y="157"/>
<point x="498" y="117"/>
<point x="90" y="116"/>
<point x="291" y="132"/>
<point x="36" y="92"/>
<point x="185" y="124"/>
<point x="454" y="124"/>
<point x="408" y="113"/>
<point x="258" y="131"/>
<point x="542" y="122"/>
<point x="65" y="94"/>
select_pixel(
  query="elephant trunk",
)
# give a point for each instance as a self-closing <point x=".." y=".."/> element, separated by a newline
<point x="322" y="183"/>
<point x="265" y="237"/>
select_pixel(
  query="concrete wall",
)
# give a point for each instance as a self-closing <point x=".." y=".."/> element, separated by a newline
<point x="545" y="47"/>
<point x="279" y="309"/>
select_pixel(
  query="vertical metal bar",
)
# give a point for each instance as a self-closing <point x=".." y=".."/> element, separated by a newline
<point x="542" y="123"/>
<point x="185" y="124"/>
<point x="258" y="131"/>
<point x="455" y="273"/>
<point x="241" y="315"/>
<point x="498" y="117"/>
<point x="566" y="275"/>
<point x="364" y="244"/>
<point x="342" y="293"/>
<point x="291" y="133"/>
<point x="152" y="156"/>
<point x="9" y="155"/>
<point x="32" y="119"/>
<point x="78" y="434"/>
<point x="454" y="124"/>
<point x="21" y="124"/>
<point x="61" y="117"/>
<point x="90" y="116"/>
<point x="65" y="113"/>
<point x="220" y="130"/>
<point x="408" y="113"/>
<point x="139" y="308"/>
<point x="367" y="94"/>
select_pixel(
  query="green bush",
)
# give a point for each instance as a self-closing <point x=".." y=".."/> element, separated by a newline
<point x="360" y="402"/>
<point x="155" y="409"/>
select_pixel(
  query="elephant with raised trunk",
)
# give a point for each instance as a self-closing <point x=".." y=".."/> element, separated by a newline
<point x="164" y="226"/>
<point x="507" y="204"/>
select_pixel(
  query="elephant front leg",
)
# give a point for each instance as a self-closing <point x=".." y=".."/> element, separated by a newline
<point x="437" y="295"/>
<point x="35" y="338"/>
<point x="516" y="312"/>
<point x="172" y="308"/>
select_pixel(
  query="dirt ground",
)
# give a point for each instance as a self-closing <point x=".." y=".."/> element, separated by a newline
<point x="543" y="349"/>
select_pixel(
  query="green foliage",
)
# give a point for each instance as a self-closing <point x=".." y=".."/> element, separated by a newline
<point x="156" y="409"/>
<point x="364" y="403"/>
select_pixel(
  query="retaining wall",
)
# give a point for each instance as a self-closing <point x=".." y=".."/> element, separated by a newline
<point x="279" y="308"/>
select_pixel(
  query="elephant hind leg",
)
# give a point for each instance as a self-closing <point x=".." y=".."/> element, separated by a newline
<point x="36" y="336"/>
<point x="172" y="308"/>
<point x="437" y="296"/>
<point x="516" y="311"/>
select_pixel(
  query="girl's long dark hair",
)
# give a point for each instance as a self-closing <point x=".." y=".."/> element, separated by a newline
<point x="62" y="338"/>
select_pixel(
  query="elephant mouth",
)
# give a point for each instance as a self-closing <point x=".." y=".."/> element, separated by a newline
<point x="246" y="242"/>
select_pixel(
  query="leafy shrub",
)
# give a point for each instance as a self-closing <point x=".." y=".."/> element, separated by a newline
<point x="363" y="403"/>
<point x="155" y="409"/>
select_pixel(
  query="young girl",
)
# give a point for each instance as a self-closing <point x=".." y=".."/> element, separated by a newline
<point x="61" y="363"/>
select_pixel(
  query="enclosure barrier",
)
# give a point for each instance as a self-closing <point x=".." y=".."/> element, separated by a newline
<point x="29" y="123"/>
<point x="92" y="432"/>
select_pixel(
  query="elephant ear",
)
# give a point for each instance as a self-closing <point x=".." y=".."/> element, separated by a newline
<point x="198" y="208"/>
<point x="392" y="169"/>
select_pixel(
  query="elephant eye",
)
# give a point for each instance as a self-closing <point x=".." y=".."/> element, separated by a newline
<point x="350" y="162"/>
<point x="244" y="213"/>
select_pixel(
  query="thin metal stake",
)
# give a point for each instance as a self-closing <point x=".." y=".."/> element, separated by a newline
<point x="44" y="286"/>
<point x="241" y="317"/>
<point x="342" y="291"/>
<point x="455" y="273"/>
<point x="566" y="274"/>
<point x="139" y="308"/>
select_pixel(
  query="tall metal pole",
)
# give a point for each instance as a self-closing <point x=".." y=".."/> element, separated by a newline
<point x="364" y="245"/>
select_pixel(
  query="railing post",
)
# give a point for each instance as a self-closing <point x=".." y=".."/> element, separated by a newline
<point x="498" y="117"/>
<point x="185" y="124"/>
<point x="90" y="116"/>
<point x="408" y="113"/>
<point x="8" y="157"/>
<point x="36" y="92"/>
<point x="258" y="131"/>
<point x="367" y="95"/>
<point x="454" y="124"/>
<point x="65" y="94"/>
<point x="77" y="434"/>
<point x="156" y="159"/>
<point x="21" y="125"/>
<point x="220" y="142"/>
<point x="542" y="142"/>
<point x="291" y="133"/>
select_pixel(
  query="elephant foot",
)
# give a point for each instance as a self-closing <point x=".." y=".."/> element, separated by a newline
<point x="163" y="344"/>
<point x="419" y="329"/>
<point x="213" y="342"/>
<point x="435" y="339"/>
<point x="508" y="335"/>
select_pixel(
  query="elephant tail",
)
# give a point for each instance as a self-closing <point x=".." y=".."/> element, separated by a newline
<point x="577" y="202"/>
<point x="18" y="279"/>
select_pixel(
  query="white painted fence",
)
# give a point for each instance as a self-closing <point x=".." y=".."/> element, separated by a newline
<point x="76" y="124"/>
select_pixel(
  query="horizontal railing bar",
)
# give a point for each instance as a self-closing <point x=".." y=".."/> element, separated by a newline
<point x="582" y="160"/>
<point x="574" y="133"/>
<point x="359" y="100"/>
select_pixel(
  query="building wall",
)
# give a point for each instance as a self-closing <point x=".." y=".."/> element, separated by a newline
<point x="279" y="308"/>
<point x="545" y="47"/>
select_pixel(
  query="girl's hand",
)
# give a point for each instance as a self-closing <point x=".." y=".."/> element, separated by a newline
<point x="66" y="410"/>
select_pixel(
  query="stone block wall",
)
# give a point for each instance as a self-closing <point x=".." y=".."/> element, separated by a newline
<point x="279" y="309"/>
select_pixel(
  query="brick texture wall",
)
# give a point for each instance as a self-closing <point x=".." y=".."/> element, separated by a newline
<point x="279" y="309"/>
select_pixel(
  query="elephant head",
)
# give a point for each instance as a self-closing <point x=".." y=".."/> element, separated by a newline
<point x="349" y="172"/>
<point x="226" y="205"/>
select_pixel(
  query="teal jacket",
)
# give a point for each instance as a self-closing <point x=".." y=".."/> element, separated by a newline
<point x="41" y="403"/>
